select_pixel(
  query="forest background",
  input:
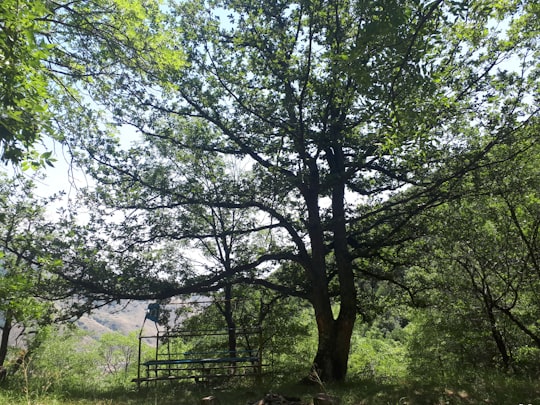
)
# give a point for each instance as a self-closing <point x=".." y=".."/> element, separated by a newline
<point x="364" y="172"/>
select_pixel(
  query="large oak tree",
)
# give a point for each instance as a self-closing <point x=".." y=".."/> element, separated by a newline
<point x="349" y="119"/>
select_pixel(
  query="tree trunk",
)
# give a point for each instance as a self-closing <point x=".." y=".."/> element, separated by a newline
<point x="4" y="340"/>
<point x="497" y="335"/>
<point x="334" y="344"/>
<point x="231" y="325"/>
<point x="331" y="360"/>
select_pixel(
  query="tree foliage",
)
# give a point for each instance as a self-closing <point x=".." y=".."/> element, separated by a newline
<point x="23" y="77"/>
<point x="32" y="294"/>
<point x="350" y="119"/>
<point x="43" y="50"/>
<point x="473" y="275"/>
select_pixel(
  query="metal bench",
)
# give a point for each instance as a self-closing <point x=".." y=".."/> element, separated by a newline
<point x="208" y="357"/>
<point x="201" y="366"/>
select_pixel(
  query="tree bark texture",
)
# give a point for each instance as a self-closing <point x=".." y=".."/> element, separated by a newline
<point x="4" y="339"/>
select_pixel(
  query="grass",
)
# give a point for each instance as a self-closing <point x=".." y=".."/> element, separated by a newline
<point x="491" y="388"/>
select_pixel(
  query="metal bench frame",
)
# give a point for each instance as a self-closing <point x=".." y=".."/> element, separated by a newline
<point x="199" y="366"/>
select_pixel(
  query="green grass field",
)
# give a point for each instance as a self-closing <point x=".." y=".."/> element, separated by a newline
<point x="494" y="389"/>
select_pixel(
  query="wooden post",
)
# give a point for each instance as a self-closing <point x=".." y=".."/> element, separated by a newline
<point x="139" y="360"/>
<point x="258" y="370"/>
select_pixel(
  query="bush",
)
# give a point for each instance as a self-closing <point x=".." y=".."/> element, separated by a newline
<point x="527" y="361"/>
<point x="66" y="359"/>
<point x="379" y="359"/>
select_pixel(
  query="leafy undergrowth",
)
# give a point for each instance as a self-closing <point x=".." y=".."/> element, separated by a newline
<point x="494" y="389"/>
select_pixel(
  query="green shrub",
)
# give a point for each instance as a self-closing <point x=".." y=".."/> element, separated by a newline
<point x="527" y="361"/>
<point x="66" y="359"/>
<point x="379" y="359"/>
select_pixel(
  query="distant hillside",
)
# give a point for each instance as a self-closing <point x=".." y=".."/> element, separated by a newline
<point x="123" y="318"/>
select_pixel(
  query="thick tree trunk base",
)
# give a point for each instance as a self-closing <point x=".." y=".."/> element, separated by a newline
<point x="331" y="360"/>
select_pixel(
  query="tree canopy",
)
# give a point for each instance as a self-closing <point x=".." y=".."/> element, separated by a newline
<point x="24" y="116"/>
<point x="332" y="124"/>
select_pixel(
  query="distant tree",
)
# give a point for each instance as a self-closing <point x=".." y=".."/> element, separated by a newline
<point x="21" y="215"/>
<point x="227" y="248"/>
<point x="118" y="353"/>
<point x="262" y="320"/>
<point x="481" y="264"/>
<point x="350" y="118"/>
<point x="32" y="295"/>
